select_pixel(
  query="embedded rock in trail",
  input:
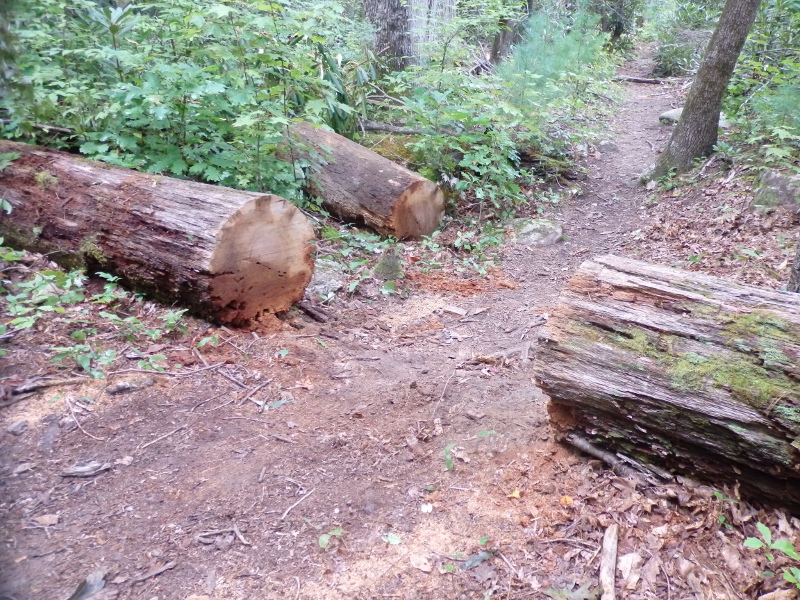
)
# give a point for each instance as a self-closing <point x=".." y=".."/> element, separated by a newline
<point x="223" y="253"/>
<point x="672" y="117"/>
<point x="776" y="189"/>
<point x="357" y="184"/>
<point x="328" y="279"/>
<point x="687" y="371"/>
<point x="537" y="232"/>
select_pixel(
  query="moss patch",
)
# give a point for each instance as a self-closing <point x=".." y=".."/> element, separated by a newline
<point x="44" y="179"/>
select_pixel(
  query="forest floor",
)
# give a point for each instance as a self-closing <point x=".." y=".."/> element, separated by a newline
<point x="387" y="435"/>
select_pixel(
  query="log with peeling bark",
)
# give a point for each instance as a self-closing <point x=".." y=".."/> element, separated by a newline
<point x="225" y="254"/>
<point x="360" y="185"/>
<point x="683" y="370"/>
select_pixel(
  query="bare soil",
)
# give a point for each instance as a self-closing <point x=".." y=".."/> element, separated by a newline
<point x="409" y="431"/>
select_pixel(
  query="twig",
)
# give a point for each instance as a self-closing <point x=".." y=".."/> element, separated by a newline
<point x="444" y="389"/>
<point x="297" y="593"/>
<point x="240" y="536"/>
<point x="170" y="373"/>
<point x="261" y="385"/>
<point x="199" y="404"/>
<point x="608" y="562"/>
<point x="154" y="572"/>
<point x="574" y="541"/>
<point x="288" y="510"/>
<point x="158" y="439"/>
<point x="669" y="585"/>
<point x="199" y="355"/>
<point x="78" y="423"/>
<point x="232" y="380"/>
<point x="261" y="476"/>
<point x="510" y="566"/>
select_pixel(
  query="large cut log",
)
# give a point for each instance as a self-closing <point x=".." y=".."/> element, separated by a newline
<point x="686" y="371"/>
<point x="223" y="253"/>
<point x="358" y="184"/>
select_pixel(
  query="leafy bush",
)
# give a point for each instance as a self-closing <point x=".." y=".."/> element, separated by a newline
<point x="195" y="89"/>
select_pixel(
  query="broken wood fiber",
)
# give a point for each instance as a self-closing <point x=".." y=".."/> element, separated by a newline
<point x="682" y="370"/>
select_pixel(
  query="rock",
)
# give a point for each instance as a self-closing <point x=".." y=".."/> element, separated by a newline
<point x="17" y="427"/>
<point x="672" y="116"/>
<point x="775" y="189"/>
<point x="607" y="146"/>
<point x="537" y="232"/>
<point x="328" y="279"/>
<point x="130" y="385"/>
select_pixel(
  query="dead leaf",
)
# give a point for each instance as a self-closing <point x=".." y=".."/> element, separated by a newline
<point x="514" y="494"/>
<point x="629" y="565"/>
<point x="566" y="501"/>
<point x="421" y="563"/>
<point x="47" y="520"/>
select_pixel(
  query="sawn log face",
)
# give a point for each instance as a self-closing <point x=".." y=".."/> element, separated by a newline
<point x="688" y="371"/>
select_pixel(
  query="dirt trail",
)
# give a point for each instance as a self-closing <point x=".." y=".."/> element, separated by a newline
<point x="371" y="411"/>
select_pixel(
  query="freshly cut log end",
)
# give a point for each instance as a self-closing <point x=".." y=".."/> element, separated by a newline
<point x="258" y="257"/>
<point x="417" y="211"/>
<point x="225" y="254"/>
<point x="682" y="370"/>
<point x="360" y="185"/>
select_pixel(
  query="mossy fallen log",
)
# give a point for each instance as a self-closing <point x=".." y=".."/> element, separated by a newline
<point x="682" y="370"/>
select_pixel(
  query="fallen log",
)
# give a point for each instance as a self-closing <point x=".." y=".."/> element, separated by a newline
<point x="358" y="184"/>
<point x="681" y="370"/>
<point x="223" y="253"/>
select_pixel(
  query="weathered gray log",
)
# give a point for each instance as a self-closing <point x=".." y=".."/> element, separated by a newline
<point x="225" y="254"/>
<point x="358" y="184"/>
<point x="687" y="371"/>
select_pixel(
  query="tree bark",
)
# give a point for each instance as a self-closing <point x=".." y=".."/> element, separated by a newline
<point x="223" y="253"/>
<point x="392" y="22"/>
<point x="696" y="132"/>
<point x="360" y="185"/>
<point x="794" y="277"/>
<point x="687" y="371"/>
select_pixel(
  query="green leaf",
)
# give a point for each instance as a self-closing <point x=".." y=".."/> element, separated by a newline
<point x="786" y="547"/>
<point x="765" y="533"/>
<point x="392" y="538"/>
<point x="754" y="543"/>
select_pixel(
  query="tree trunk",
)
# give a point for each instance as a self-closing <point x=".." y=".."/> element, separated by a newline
<point x="428" y="18"/>
<point x="223" y="253"/>
<point x="696" y="132"/>
<point x="392" y="22"/>
<point x="357" y="184"/>
<point x="687" y="371"/>
<point x="794" y="277"/>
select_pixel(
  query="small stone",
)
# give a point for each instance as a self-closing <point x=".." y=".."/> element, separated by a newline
<point x="130" y="385"/>
<point x="537" y="232"/>
<point x="673" y="116"/>
<point x="23" y="468"/>
<point x="328" y="279"/>
<point x="607" y="146"/>
<point x="18" y="427"/>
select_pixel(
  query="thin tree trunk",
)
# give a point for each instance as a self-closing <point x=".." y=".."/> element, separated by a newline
<point x="794" y="278"/>
<point x="696" y="132"/>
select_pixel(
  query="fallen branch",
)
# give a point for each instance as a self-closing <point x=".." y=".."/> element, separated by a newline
<point x="312" y="312"/>
<point x="170" y="373"/>
<point x="639" y="80"/>
<point x="618" y="466"/>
